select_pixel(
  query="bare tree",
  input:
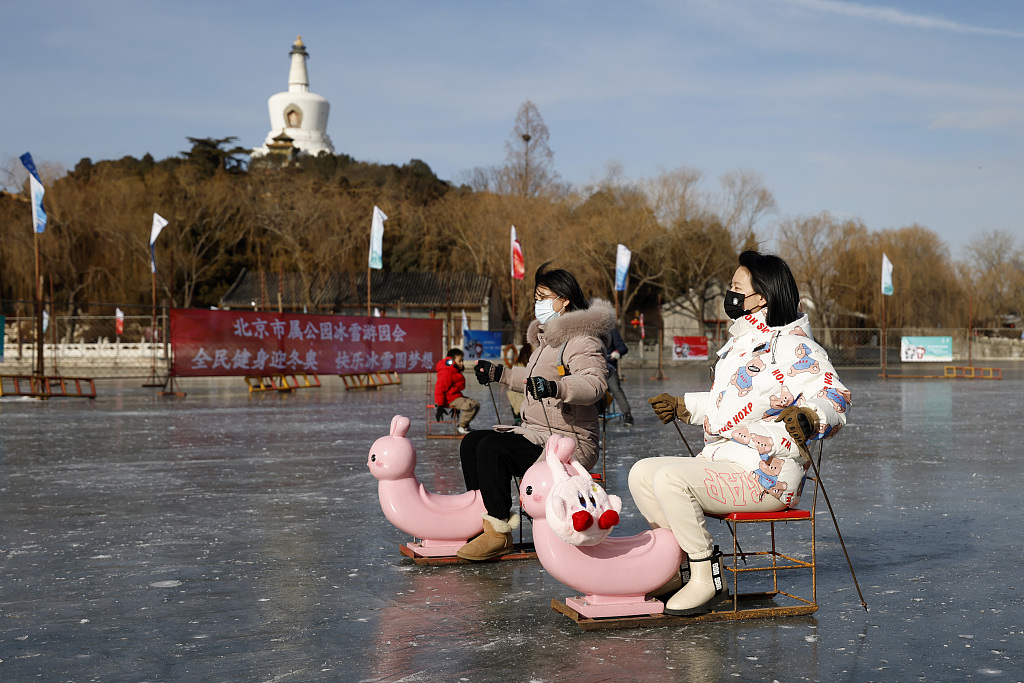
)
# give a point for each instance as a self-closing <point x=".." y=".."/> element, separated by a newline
<point x="615" y="212"/>
<point x="995" y="275"/>
<point x="529" y="161"/>
<point x="745" y="201"/>
<point x="815" y="248"/>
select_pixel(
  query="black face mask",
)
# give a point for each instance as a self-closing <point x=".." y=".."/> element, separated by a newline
<point x="734" y="304"/>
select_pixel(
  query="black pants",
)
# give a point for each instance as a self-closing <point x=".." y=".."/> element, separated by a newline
<point x="489" y="461"/>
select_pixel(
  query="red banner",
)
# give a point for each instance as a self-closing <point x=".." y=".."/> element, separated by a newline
<point x="213" y="343"/>
<point x="689" y="348"/>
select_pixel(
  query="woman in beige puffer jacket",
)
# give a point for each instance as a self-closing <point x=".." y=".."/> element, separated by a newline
<point x="558" y="401"/>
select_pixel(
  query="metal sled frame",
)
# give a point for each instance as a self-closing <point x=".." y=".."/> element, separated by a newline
<point x="753" y="605"/>
<point x="44" y="387"/>
<point x="280" y="382"/>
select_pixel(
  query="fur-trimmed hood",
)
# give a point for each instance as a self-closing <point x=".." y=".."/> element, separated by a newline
<point x="596" y="321"/>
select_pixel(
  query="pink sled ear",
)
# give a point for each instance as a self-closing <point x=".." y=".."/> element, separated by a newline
<point x="564" y="449"/>
<point x="555" y="463"/>
<point x="399" y="426"/>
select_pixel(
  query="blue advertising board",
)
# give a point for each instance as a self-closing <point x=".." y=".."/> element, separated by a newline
<point x="477" y="344"/>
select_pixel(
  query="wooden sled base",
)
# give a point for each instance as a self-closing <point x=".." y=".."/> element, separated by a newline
<point x="751" y="606"/>
<point x="520" y="551"/>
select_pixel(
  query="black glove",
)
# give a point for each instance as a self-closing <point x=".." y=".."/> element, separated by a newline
<point x="487" y="372"/>
<point x="801" y="422"/>
<point x="439" y="414"/>
<point x="539" y="388"/>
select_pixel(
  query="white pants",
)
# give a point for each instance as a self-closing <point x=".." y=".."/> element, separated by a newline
<point x="675" y="493"/>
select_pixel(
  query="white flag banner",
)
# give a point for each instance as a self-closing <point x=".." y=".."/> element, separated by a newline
<point x="887" y="288"/>
<point x="159" y="223"/>
<point x="377" y="239"/>
<point x="38" y="213"/>
<point x="622" y="258"/>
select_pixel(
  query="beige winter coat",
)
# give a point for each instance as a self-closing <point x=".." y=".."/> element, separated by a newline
<point x="573" y="412"/>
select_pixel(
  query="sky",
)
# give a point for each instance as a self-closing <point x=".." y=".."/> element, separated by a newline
<point x="895" y="112"/>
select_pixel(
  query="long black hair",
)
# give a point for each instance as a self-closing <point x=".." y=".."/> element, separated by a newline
<point x="771" y="278"/>
<point x="562" y="283"/>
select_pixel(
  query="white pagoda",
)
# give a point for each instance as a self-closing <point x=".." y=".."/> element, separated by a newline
<point x="298" y="114"/>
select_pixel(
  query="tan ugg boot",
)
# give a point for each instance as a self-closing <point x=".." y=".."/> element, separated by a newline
<point x="495" y="541"/>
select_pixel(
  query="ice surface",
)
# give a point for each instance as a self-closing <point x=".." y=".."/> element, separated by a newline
<point x="225" y="536"/>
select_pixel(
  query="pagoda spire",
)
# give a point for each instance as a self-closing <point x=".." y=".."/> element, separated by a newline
<point x="298" y="79"/>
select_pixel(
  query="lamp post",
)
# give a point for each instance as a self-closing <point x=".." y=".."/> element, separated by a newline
<point x="526" y="164"/>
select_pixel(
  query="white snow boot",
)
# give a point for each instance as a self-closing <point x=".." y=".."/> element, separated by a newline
<point x="703" y="591"/>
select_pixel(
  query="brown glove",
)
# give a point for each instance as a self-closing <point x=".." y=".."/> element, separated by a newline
<point x="668" y="407"/>
<point x="801" y="422"/>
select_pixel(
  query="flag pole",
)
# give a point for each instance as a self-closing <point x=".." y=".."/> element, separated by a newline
<point x="40" y="371"/>
<point x="53" y="325"/>
<point x="883" y="335"/>
<point x="512" y="281"/>
<point x="367" y="291"/>
<point x="152" y="328"/>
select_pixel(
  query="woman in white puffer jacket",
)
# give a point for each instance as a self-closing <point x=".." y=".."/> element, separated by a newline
<point x="774" y="390"/>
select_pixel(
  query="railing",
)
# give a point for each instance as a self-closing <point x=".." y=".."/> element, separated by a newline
<point x="860" y="347"/>
<point x="88" y="346"/>
<point x="847" y="347"/>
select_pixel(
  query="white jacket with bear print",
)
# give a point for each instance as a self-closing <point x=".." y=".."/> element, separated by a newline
<point x="760" y="371"/>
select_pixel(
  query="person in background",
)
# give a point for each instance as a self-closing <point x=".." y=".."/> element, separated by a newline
<point x="616" y="349"/>
<point x="515" y="398"/>
<point x="448" y="390"/>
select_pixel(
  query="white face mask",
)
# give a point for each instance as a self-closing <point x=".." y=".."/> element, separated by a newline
<point x="544" y="310"/>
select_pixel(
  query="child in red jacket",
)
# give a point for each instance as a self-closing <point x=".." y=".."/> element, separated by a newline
<point x="448" y="390"/>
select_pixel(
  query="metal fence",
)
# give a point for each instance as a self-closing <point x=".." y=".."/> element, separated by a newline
<point x="861" y="347"/>
<point x="89" y="346"/>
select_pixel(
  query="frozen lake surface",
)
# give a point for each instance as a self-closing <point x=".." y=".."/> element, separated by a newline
<point x="225" y="536"/>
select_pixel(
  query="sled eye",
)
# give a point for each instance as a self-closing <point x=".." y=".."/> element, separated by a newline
<point x="592" y="501"/>
<point x="373" y="457"/>
<point x="529" y="490"/>
<point x="583" y="501"/>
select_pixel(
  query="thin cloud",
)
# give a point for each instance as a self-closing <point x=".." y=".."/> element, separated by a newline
<point x="976" y="120"/>
<point x="895" y="17"/>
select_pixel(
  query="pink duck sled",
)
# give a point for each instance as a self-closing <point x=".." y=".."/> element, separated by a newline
<point x="615" y="574"/>
<point x="442" y="523"/>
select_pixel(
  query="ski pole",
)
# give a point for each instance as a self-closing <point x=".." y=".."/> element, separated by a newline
<point x="495" y="403"/>
<point x="683" y="437"/>
<point x="836" y="522"/>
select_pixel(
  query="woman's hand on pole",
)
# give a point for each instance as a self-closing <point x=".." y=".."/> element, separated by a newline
<point x="487" y="372"/>
<point x="668" y="408"/>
